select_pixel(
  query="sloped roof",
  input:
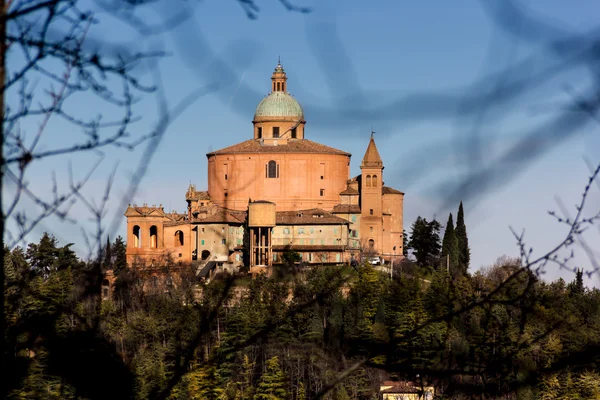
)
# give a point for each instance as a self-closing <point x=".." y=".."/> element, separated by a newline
<point x="346" y="209"/>
<point x="292" y="146"/>
<point x="145" y="211"/>
<point x="221" y="216"/>
<point x="313" y="216"/>
<point x="349" y="191"/>
<point x="389" y="190"/>
<point x="202" y="195"/>
<point x="372" y="157"/>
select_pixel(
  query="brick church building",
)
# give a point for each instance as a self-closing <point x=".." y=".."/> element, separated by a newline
<point x="276" y="191"/>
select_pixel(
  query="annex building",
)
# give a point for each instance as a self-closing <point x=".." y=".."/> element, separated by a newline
<point x="275" y="191"/>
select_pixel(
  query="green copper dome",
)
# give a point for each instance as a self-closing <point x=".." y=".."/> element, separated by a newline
<point x="279" y="104"/>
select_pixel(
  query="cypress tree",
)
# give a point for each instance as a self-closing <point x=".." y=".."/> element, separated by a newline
<point x="464" y="253"/>
<point x="107" y="255"/>
<point x="120" y="254"/>
<point x="450" y="244"/>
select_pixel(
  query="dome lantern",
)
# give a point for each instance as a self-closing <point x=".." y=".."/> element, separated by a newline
<point x="279" y="79"/>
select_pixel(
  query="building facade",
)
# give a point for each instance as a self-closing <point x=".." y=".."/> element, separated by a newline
<point x="274" y="192"/>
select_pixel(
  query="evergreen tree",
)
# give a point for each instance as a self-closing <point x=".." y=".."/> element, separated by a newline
<point x="404" y="243"/>
<point x="108" y="262"/>
<point x="42" y="255"/>
<point x="272" y="384"/>
<point x="450" y="245"/>
<point x="205" y="384"/>
<point x="425" y="241"/>
<point x="464" y="253"/>
<point x="119" y="251"/>
<point x="576" y="287"/>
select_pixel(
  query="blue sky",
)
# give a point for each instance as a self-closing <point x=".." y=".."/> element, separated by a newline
<point x="417" y="72"/>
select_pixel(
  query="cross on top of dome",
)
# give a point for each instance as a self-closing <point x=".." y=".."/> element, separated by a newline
<point x="279" y="67"/>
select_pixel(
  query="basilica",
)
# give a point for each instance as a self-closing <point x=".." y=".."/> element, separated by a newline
<point x="275" y="192"/>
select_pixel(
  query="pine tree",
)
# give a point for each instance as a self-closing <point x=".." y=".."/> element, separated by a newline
<point x="425" y="241"/>
<point x="450" y="245"/>
<point x="272" y="384"/>
<point x="464" y="253"/>
<point x="42" y="256"/>
<point x="301" y="392"/>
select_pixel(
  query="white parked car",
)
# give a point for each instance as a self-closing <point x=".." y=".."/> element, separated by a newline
<point x="376" y="260"/>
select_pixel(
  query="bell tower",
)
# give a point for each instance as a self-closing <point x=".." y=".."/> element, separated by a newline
<point x="371" y="197"/>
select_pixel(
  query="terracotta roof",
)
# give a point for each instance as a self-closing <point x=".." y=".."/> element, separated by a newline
<point x="219" y="215"/>
<point x="349" y="191"/>
<point x="372" y="157"/>
<point x="307" y="247"/>
<point x="292" y="146"/>
<point x="313" y="216"/>
<point x="389" y="190"/>
<point x="145" y="211"/>
<point x="202" y="195"/>
<point x="346" y="209"/>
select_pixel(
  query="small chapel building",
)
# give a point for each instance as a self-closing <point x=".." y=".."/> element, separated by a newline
<point x="275" y="192"/>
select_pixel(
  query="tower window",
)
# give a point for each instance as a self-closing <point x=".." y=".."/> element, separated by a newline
<point x="275" y="131"/>
<point x="272" y="169"/>
<point x="153" y="236"/>
<point x="278" y="86"/>
<point x="371" y="211"/>
<point x="294" y="133"/>
<point x="322" y="192"/>
<point x="259" y="132"/>
<point x="225" y="176"/>
<point x="136" y="236"/>
<point x="371" y="243"/>
<point x="374" y="183"/>
<point x="368" y="181"/>
<point x="225" y="193"/>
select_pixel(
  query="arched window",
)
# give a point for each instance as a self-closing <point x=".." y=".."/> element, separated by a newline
<point x="374" y="181"/>
<point x="178" y="238"/>
<point x="272" y="169"/>
<point x="278" y="86"/>
<point x="371" y="243"/>
<point x="153" y="236"/>
<point x="136" y="236"/>
<point x="205" y="254"/>
<point x="368" y="181"/>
